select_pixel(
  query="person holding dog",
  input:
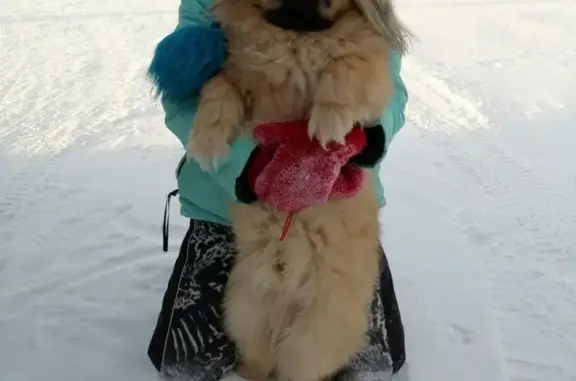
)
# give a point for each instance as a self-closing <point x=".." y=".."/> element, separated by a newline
<point x="189" y="338"/>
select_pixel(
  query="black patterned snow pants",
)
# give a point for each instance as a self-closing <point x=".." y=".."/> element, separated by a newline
<point x="189" y="343"/>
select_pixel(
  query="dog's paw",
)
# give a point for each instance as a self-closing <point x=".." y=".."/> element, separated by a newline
<point x="207" y="146"/>
<point x="329" y="123"/>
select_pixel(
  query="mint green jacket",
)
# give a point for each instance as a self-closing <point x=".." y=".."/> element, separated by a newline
<point x="207" y="195"/>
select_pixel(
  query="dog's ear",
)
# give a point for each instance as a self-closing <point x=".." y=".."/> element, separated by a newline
<point x="382" y="16"/>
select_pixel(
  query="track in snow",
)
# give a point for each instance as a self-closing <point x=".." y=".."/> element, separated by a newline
<point x="524" y="225"/>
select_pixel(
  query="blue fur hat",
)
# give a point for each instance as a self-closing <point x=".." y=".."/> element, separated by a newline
<point x="185" y="59"/>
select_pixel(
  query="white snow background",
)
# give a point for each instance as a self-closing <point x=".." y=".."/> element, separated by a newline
<point x="480" y="225"/>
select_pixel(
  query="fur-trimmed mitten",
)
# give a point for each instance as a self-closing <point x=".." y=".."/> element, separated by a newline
<point x="186" y="59"/>
<point x="290" y="172"/>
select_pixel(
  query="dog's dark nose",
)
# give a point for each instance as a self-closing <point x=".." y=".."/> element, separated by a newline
<point x="298" y="15"/>
<point x="301" y="5"/>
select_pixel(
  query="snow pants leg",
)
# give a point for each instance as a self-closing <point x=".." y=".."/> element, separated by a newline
<point x="189" y="338"/>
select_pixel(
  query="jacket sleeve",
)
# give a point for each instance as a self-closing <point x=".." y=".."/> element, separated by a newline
<point x="194" y="13"/>
<point x="394" y="118"/>
<point x="380" y="135"/>
<point x="180" y="114"/>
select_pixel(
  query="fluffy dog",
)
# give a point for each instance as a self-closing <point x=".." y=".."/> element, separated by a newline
<point x="299" y="308"/>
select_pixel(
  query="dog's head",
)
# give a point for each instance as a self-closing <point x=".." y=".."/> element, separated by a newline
<point x="318" y="15"/>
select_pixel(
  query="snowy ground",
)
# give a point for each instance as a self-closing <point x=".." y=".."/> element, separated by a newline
<point x="481" y="185"/>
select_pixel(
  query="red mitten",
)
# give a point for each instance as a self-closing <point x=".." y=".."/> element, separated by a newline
<point x="298" y="172"/>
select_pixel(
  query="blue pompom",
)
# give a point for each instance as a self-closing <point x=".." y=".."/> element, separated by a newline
<point x="187" y="58"/>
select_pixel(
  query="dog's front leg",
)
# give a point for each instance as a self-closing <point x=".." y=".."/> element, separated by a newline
<point x="352" y="90"/>
<point x="219" y="116"/>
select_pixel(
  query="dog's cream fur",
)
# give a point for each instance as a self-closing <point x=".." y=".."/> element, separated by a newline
<point x="336" y="78"/>
<point x="299" y="308"/>
<point x="307" y="318"/>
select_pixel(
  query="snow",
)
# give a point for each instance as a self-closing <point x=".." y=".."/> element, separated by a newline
<point x="481" y="187"/>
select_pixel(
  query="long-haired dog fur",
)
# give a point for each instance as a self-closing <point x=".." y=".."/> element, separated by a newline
<point x="299" y="308"/>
